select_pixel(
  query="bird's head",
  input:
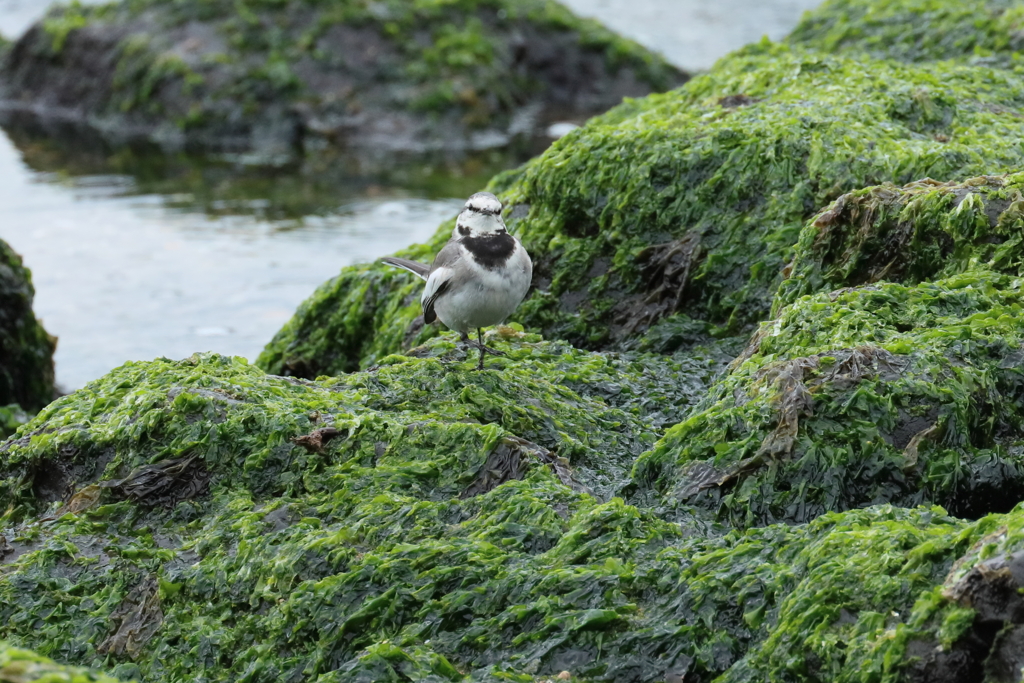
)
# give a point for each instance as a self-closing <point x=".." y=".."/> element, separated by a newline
<point x="480" y="217"/>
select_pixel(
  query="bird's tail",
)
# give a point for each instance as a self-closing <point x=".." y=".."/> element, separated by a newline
<point x="415" y="268"/>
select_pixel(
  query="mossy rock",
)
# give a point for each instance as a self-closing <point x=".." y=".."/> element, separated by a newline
<point x="398" y="524"/>
<point x="26" y="350"/>
<point x="984" y="32"/>
<point x="885" y="392"/>
<point x="276" y="78"/>
<point x="671" y="218"/>
<point x="926" y="230"/>
<point x="23" y="666"/>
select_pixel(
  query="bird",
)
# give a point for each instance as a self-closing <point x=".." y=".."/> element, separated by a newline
<point x="478" y="278"/>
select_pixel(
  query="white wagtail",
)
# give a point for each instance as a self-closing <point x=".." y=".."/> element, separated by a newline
<point x="479" y="277"/>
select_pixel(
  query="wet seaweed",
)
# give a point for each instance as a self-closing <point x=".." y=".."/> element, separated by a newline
<point x="676" y="211"/>
<point x="972" y="31"/>
<point x="907" y="394"/>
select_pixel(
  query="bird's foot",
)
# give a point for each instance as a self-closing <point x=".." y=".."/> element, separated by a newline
<point x="487" y="349"/>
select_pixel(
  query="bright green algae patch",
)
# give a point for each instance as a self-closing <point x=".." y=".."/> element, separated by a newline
<point x="885" y="392"/>
<point x="424" y="521"/>
<point x="673" y="216"/>
<point x="364" y="569"/>
<point x="923" y="231"/>
<point x="976" y="31"/>
<point x="26" y="350"/>
<point x="23" y="666"/>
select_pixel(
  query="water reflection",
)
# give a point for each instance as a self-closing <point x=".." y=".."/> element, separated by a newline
<point x="138" y="255"/>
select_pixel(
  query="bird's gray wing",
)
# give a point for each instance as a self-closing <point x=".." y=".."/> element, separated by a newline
<point x="413" y="267"/>
<point x="447" y="257"/>
<point x="442" y="272"/>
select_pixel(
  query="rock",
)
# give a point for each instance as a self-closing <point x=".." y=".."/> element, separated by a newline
<point x="23" y="666"/>
<point x="273" y="79"/>
<point x="26" y="350"/>
<point x="923" y="231"/>
<point x="886" y="392"/>
<point x="983" y="32"/>
<point x="364" y="560"/>
<point x="672" y="217"/>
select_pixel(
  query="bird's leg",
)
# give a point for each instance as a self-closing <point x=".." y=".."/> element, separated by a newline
<point x="485" y="349"/>
<point x="464" y="340"/>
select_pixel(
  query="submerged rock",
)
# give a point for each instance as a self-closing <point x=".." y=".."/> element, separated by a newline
<point x="672" y="217"/>
<point x="273" y="78"/>
<point x="26" y="350"/>
<point x="201" y="520"/>
<point x="904" y="394"/>
<point x="975" y="31"/>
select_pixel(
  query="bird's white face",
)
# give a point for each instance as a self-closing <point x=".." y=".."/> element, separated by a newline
<point x="480" y="217"/>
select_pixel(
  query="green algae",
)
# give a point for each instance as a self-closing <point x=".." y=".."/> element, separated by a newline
<point x="923" y="231"/>
<point x="421" y="521"/>
<point x="670" y="218"/>
<point x="884" y="392"/>
<point x="26" y="350"/>
<point x="23" y="666"/>
<point x="973" y="31"/>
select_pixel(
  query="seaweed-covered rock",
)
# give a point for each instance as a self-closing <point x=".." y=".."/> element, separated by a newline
<point x="22" y="666"/>
<point x="880" y="393"/>
<point x="976" y="31"/>
<point x="672" y="217"/>
<point x="273" y="77"/>
<point x="201" y="520"/>
<point x="926" y="230"/>
<point x="26" y="350"/>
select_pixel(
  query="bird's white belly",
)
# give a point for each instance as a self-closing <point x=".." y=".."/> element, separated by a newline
<point x="486" y="299"/>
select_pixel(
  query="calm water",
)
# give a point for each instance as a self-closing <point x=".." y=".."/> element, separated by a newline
<point x="136" y="257"/>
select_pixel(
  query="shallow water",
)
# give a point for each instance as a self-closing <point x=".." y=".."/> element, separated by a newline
<point x="136" y="256"/>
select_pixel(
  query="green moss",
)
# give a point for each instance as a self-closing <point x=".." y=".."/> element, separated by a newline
<point x="975" y="31"/>
<point x="886" y="392"/>
<point x="444" y="533"/>
<point x="923" y="231"/>
<point x="26" y="350"/>
<point x="673" y="216"/>
<point x="22" y="666"/>
<point x="59" y="23"/>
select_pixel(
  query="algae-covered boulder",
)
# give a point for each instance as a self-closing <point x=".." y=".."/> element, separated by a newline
<point x="975" y="31"/>
<point x="421" y="521"/>
<point x="23" y="666"/>
<point x="274" y="77"/>
<point x="880" y="393"/>
<point x="26" y="350"/>
<point x="673" y="216"/>
<point x="926" y="230"/>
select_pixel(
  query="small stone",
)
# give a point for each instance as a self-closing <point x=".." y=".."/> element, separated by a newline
<point x="564" y="676"/>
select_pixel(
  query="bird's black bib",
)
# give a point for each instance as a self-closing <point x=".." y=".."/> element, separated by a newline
<point x="491" y="251"/>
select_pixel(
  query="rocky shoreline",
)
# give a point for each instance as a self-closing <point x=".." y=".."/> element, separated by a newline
<point x="761" y="420"/>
